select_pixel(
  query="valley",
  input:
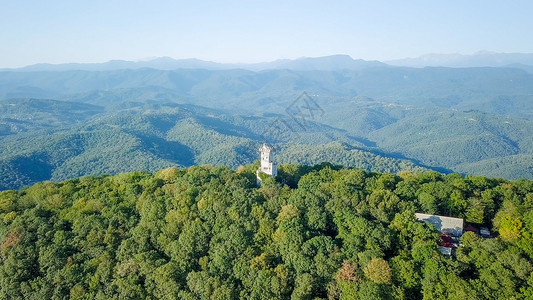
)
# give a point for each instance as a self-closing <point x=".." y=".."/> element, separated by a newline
<point x="56" y="125"/>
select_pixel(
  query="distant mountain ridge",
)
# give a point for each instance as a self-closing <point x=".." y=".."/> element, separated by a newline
<point x="375" y="116"/>
<point x="326" y="63"/>
<point x="274" y="89"/>
<point x="478" y="59"/>
<point x="335" y="62"/>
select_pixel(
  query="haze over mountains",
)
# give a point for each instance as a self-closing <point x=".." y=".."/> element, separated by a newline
<point x="70" y="120"/>
<point x="328" y="63"/>
<point x="333" y="62"/>
<point x="479" y="59"/>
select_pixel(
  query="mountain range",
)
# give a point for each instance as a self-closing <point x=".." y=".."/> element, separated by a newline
<point x="478" y="59"/>
<point x="64" y="121"/>
<point x="326" y="63"/>
<point x="333" y="62"/>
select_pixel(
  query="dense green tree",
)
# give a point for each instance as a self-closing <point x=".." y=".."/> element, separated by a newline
<point x="210" y="233"/>
<point x="378" y="270"/>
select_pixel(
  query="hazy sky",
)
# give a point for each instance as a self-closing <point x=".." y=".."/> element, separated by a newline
<point x="55" y="31"/>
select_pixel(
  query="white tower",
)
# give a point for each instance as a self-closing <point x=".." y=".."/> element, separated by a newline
<point x="268" y="166"/>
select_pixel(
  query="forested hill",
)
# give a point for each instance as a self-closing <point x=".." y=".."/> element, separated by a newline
<point x="67" y="124"/>
<point x="211" y="233"/>
<point x="58" y="140"/>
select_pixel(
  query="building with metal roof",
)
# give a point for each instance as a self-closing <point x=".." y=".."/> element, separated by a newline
<point x="453" y="226"/>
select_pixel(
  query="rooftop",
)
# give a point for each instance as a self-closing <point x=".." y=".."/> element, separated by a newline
<point x="266" y="148"/>
<point x="451" y="225"/>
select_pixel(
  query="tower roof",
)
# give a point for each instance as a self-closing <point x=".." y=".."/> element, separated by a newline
<point x="266" y="148"/>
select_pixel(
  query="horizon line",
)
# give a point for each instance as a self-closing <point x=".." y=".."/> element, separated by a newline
<point x="153" y="58"/>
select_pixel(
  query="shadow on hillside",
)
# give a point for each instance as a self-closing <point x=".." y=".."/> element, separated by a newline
<point x="168" y="150"/>
<point x="25" y="171"/>
<point x="372" y="148"/>
<point x="227" y="128"/>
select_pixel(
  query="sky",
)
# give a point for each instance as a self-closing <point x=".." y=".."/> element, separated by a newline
<point x="54" y="31"/>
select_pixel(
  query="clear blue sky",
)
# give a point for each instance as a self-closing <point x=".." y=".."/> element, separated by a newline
<point x="55" y="31"/>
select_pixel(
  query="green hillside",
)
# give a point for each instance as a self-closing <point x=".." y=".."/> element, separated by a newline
<point x="67" y="139"/>
<point x="344" y="155"/>
<point x="152" y="137"/>
<point x="512" y="166"/>
<point x="22" y="115"/>
<point x="452" y="138"/>
<point x="467" y="120"/>
<point x="210" y="233"/>
<point x="247" y="90"/>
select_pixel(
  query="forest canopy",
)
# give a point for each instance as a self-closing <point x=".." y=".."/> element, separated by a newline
<point x="321" y="232"/>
